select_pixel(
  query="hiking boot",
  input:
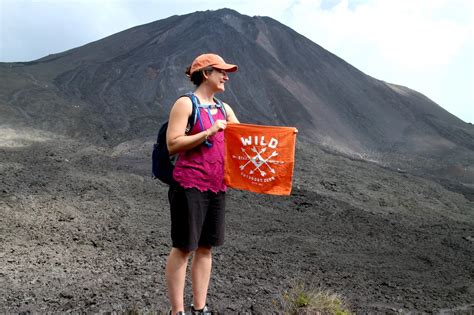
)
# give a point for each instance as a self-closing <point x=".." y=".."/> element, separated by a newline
<point x="204" y="311"/>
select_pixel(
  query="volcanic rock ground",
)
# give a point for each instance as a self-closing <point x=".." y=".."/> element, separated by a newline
<point x="84" y="228"/>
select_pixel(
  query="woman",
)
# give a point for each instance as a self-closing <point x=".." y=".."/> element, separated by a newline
<point x="197" y="201"/>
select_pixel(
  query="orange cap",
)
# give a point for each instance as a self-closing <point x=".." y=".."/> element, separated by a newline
<point x="211" y="60"/>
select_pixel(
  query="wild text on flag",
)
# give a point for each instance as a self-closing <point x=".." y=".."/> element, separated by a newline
<point x="256" y="140"/>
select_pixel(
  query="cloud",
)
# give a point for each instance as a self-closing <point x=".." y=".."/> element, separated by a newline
<point x="409" y="34"/>
<point x="420" y="44"/>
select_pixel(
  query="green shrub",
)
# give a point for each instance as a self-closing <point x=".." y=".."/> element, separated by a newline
<point x="301" y="300"/>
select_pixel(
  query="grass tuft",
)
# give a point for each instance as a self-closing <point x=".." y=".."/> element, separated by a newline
<point x="302" y="299"/>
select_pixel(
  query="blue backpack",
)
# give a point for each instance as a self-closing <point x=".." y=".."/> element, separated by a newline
<point x="162" y="162"/>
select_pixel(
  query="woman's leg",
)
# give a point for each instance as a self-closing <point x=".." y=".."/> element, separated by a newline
<point x="201" y="274"/>
<point x="176" y="277"/>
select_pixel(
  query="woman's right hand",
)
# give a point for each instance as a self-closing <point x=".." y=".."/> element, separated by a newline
<point x="219" y="125"/>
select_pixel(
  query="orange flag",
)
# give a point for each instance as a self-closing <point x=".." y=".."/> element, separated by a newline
<point x="260" y="158"/>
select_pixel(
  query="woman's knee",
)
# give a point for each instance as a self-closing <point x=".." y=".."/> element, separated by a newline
<point x="203" y="251"/>
<point x="180" y="253"/>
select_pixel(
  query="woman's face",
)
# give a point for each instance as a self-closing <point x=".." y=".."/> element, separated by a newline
<point x="217" y="78"/>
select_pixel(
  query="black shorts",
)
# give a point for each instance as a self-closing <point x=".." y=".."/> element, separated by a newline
<point x="197" y="218"/>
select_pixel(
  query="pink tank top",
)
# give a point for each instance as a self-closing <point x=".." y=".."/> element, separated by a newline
<point x="202" y="167"/>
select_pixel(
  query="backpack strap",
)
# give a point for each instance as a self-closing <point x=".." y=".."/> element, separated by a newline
<point x="221" y="106"/>
<point x="194" y="112"/>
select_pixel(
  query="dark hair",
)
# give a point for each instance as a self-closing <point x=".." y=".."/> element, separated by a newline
<point x="197" y="77"/>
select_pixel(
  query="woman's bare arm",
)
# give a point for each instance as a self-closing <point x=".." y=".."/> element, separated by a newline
<point x="230" y="114"/>
<point x="176" y="137"/>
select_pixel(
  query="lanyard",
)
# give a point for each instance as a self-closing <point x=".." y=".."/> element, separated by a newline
<point x="207" y="142"/>
<point x="210" y="116"/>
<point x="211" y="119"/>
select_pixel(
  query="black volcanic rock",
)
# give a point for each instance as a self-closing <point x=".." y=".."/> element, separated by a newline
<point x="85" y="229"/>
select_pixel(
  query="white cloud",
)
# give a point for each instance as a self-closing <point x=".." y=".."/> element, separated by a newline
<point x="409" y="35"/>
<point x="412" y="43"/>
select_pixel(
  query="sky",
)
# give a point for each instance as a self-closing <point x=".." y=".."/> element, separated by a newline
<point x="426" y="45"/>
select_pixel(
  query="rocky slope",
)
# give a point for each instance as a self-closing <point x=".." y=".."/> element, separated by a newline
<point x="125" y="84"/>
<point x="84" y="228"/>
